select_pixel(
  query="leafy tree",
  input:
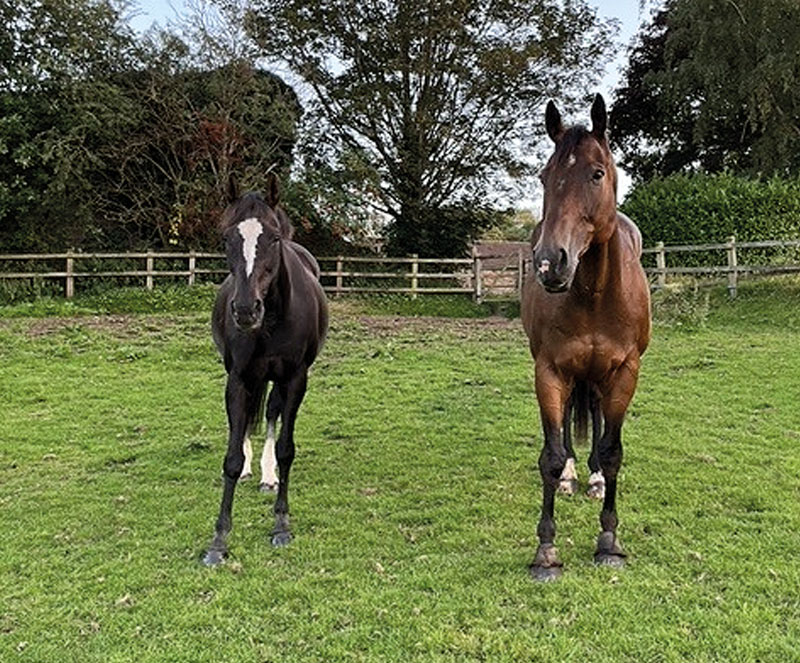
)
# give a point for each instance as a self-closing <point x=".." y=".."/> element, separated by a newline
<point x="711" y="85"/>
<point x="426" y="101"/>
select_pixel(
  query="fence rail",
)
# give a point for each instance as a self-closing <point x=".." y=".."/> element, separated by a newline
<point x="480" y="276"/>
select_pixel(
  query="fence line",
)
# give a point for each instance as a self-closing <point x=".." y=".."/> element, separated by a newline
<point x="480" y="275"/>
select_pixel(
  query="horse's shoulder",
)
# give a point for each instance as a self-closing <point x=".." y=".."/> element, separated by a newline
<point x="631" y="233"/>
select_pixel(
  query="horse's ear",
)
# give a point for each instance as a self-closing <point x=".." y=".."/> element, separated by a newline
<point x="599" y="117"/>
<point x="232" y="190"/>
<point x="273" y="190"/>
<point x="552" y="120"/>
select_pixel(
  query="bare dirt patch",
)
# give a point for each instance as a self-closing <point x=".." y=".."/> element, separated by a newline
<point x="387" y="325"/>
<point x="120" y="326"/>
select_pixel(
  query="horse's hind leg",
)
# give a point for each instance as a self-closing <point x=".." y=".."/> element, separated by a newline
<point x="247" y="449"/>
<point x="552" y="395"/>
<point x="568" y="482"/>
<point x="269" y="478"/>
<point x="597" y="484"/>
<point x="292" y="395"/>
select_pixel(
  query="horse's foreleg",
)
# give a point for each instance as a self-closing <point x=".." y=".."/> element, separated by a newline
<point x="552" y="395"/>
<point x="236" y="403"/>
<point x="292" y="395"/>
<point x="614" y="405"/>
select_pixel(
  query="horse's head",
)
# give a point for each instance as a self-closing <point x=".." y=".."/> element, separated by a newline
<point x="580" y="199"/>
<point x="254" y="229"/>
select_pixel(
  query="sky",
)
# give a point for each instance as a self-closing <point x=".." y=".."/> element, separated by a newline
<point x="627" y="12"/>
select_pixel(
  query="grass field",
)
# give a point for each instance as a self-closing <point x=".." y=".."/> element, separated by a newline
<point x="414" y="498"/>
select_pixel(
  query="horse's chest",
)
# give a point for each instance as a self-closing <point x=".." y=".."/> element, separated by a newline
<point x="589" y="356"/>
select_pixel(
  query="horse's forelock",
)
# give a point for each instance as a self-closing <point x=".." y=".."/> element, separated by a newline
<point x="253" y="205"/>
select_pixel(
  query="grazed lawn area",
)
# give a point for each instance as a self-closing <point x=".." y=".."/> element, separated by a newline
<point x="414" y="499"/>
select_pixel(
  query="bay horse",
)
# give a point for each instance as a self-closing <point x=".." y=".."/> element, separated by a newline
<point x="586" y="311"/>
<point x="269" y="321"/>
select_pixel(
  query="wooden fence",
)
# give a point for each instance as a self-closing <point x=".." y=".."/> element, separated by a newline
<point x="480" y="276"/>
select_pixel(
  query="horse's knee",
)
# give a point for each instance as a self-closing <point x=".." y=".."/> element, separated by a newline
<point x="233" y="464"/>
<point x="552" y="462"/>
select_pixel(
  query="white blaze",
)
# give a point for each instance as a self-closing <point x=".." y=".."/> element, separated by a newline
<point x="571" y="161"/>
<point x="250" y="230"/>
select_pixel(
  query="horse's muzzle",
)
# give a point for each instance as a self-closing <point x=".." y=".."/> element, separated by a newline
<point x="247" y="317"/>
<point x="552" y="270"/>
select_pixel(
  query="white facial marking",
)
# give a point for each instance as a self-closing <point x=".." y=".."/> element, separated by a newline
<point x="571" y="161"/>
<point x="268" y="461"/>
<point x="544" y="267"/>
<point x="250" y="229"/>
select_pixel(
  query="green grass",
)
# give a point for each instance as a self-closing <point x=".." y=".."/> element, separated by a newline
<point x="414" y="498"/>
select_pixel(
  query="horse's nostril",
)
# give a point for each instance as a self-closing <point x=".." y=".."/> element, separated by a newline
<point x="257" y="305"/>
<point x="562" y="262"/>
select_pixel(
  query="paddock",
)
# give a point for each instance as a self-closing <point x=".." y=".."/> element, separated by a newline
<point x="414" y="497"/>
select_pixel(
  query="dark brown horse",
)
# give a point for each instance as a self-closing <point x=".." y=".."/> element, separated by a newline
<point x="269" y="322"/>
<point x="586" y="310"/>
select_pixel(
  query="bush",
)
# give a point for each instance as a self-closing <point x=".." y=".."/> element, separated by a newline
<point x="696" y="209"/>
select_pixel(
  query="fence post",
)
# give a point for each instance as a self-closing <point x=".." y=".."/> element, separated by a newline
<point x="476" y="269"/>
<point x="414" y="273"/>
<point x="192" y="266"/>
<point x="69" y="285"/>
<point x="339" y="269"/>
<point x="732" y="267"/>
<point x="149" y="269"/>
<point x="661" y="265"/>
<point x="520" y="271"/>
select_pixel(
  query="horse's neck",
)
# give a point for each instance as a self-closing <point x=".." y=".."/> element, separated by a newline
<point x="599" y="268"/>
<point x="281" y="287"/>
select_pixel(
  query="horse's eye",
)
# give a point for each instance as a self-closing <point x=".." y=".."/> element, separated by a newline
<point x="598" y="174"/>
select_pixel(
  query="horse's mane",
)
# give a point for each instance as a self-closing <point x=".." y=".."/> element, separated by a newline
<point x="252" y="204"/>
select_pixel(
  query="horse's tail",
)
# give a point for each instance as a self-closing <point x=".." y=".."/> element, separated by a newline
<point x="256" y="409"/>
<point x="581" y="405"/>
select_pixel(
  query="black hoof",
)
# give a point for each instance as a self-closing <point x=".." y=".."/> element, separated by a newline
<point x="214" y="558"/>
<point x="546" y="566"/>
<point x="268" y="487"/>
<point x="609" y="559"/>
<point x="609" y="552"/>
<point x="545" y="573"/>
<point x="281" y="539"/>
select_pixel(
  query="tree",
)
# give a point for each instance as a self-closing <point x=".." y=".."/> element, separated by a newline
<point x="427" y="101"/>
<point x="711" y="86"/>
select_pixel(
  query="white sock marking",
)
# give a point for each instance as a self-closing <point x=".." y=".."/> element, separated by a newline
<point x="268" y="461"/>
<point x="596" y="478"/>
<point x="250" y="230"/>
<point x="569" y="472"/>
<point x="248" y="456"/>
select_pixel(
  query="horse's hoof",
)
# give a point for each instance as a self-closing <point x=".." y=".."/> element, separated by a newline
<point x="546" y="566"/>
<point x="246" y="476"/>
<point x="609" y="552"/>
<point x="568" y="486"/>
<point x="545" y="573"/>
<point x="596" y="491"/>
<point x="281" y="539"/>
<point x="214" y="558"/>
<point x="265" y="487"/>
<point x="609" y="559"/>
